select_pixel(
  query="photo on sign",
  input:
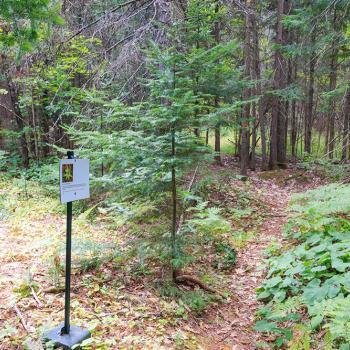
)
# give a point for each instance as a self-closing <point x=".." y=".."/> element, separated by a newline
<point x="67" y="173"/>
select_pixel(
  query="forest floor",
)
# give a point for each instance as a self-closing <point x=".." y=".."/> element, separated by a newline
<point x="236" y="329"/>
<point x="124" y="311"/>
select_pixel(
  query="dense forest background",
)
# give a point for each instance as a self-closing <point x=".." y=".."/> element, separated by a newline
<point x="266" y="79"/>
<point x="200" y="118"/>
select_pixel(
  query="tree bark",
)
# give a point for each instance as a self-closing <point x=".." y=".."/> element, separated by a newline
<point x="254" y="139"/>
<point x="217" y="134"/>
<point x="14" y="93"/>
<point x="332" y="85"/>
<point x="258" y="113"/>
<point x="279" y="112"/>
<point x="346" y="123"/>
<point x="6" y="116"/>
<point x="294" y="124"/>
<point x="310" y="100"/>
<point x="332" y="111"/>
<point x="276" y="105"/>
<point x="244" y="150"/>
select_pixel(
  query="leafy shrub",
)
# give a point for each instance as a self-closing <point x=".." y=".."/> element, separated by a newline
<point x="3" y="160"/>
<point x="9" y="164"/>
<point x="315" y="270"/>
<point x="46" y="175"/>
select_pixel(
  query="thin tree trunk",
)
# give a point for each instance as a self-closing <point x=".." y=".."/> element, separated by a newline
<point x="20" y="123"/>
<point x="293" y="136"/>
<point x="244" y="154"/>
<point x="174" y="204"/>
<point x="276" y="108"/>
<point x="253" y="146"/>
<point x="282" y="122"/>
<point x="35" y="130"/>
<point x="346" y="120"/>
<point x="258" y="112"/>
<point x="332" y="86"/>
<point x="279" y="113"/>
<point x="310" y="99"/>
<point x="217" y="135"/>
<point x="294" y="125"/>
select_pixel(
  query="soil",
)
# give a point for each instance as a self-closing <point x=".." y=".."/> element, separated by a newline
<point x="227" y="326"/>
<point x="231" y="327"/>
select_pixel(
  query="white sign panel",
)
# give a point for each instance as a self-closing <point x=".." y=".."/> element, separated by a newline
<point x="74" y="179"/>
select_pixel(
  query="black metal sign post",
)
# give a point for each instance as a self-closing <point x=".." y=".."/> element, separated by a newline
<point x="65" y="335"/>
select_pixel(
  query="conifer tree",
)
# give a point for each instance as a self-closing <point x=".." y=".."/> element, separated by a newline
<point x="22" y="21"/>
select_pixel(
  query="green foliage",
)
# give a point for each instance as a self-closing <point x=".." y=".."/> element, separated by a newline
<point x="9" y="164"/>
<point x="89" y="254"/>
<point x="241" y="238"/>
<point x="59" y="88"/>
<point x="24" y="290"/>
<point x="135" y="141"/>
<point x="25" y="22"/>
<point x="326" y="169"/>
<point x="197" y="301"/>
<point x="7" y="331"/>
<point x="315" y="271"/>
<point x="335" y="314"/>
<point x="227" y="256"/>
<point x="302" y="338"/>
<point x="208" y="221"/>
<point x="3" y="160"/>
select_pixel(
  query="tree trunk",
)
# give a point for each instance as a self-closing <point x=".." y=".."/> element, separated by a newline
<point x="332" y="85"/>
<point x="310" y="100"/>
<point x="253" y="146"/>
<point x="258" y="112"/>
<point x="332" y="112"/>
<point x="275" y="153"/>
<point x="217" y="136"/>
<point x="216" y="34"/>
<point x="13" y="90"/>
<point x="6" y="116"/>
<point x="284" y="76"/>
<point x="346" y="120"/>
<point x="294" y="124"/>
<point x="244" y="151"/>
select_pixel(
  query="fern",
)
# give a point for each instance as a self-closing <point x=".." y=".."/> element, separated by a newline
<point x="208" y="221"/>
<point x="335" y="313"/>
<point x="315" y="269"/>
<point x="323" y="201"/>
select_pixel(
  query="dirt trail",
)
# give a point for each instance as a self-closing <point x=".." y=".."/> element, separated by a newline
<point x="226" y="327"/>
<point x="232" y="326"/>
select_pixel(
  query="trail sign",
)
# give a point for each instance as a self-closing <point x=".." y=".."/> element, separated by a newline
<point x="74" y="185"/>
<point x="74" y="179"/>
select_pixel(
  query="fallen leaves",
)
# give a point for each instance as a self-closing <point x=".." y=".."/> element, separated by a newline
<point x="124" y="312"/>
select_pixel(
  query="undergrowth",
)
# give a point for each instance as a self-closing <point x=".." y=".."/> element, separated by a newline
<point x="308" y="282"/>
<point x="327" y="169"/>
<point x="127" y="240"/>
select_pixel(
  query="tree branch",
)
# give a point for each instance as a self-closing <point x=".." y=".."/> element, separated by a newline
<point x="127" y="3"/>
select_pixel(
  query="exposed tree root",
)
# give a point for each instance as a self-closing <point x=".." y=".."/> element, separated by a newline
<point x="192" y="280"/>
